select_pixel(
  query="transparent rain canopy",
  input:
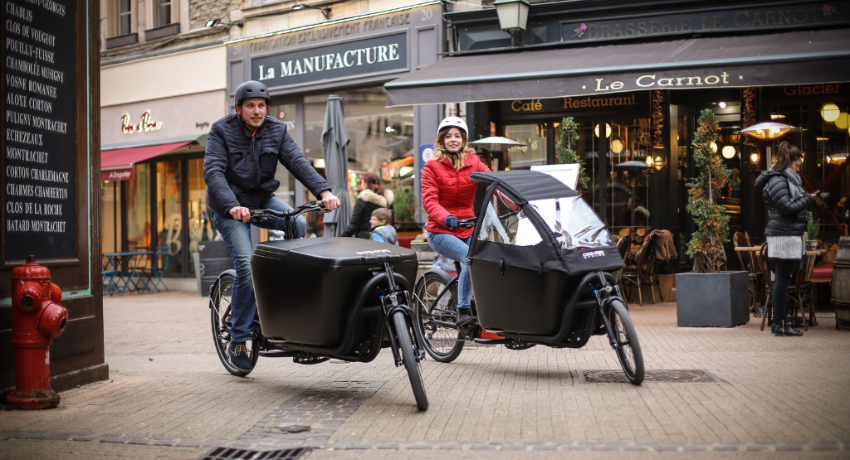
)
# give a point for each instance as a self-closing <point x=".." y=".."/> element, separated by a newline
<point x="571" y="220"/>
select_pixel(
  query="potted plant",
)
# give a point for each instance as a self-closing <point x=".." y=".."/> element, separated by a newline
<point x="566" y="153"/>
<point x="404" y="212"/>
<point x="709" y="296"/>
<point x="813" y="227"/>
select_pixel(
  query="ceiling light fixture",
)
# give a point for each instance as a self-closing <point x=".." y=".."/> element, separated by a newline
<point x="830" y="112"/>
<point x="722" y="104"/>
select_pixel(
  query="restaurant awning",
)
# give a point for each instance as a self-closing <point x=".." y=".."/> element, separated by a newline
<point x="797" y="57"/>
<point x="118" y="164"/>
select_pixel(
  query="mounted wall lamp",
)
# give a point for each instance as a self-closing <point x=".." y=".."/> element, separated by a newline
<point x="728" y="152"/>
<point x="217" y="22"/>
<point x="513" y="16"/>
<point x="325" y="9"/>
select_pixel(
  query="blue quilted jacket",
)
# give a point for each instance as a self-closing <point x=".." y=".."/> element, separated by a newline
<point x="239" y="168"/>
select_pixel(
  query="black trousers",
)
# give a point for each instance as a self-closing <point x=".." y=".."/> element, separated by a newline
<point x="782" y="271"/>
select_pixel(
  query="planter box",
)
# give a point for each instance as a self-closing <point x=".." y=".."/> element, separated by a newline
<point x="712" y="299"/>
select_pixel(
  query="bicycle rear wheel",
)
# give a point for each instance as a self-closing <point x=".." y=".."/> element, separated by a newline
<point x="627" y="345"/>
<point x="405" y="345"/>
<point x="221" y="323"/>
<point x="442" y="343"/>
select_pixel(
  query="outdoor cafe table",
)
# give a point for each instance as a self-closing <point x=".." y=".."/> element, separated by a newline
<point x="126" y="271"/>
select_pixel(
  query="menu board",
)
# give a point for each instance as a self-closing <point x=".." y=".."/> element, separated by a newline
<point x="39" y="140"/>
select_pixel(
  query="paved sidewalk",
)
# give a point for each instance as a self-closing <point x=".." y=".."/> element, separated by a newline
<point x="169" y="397"/>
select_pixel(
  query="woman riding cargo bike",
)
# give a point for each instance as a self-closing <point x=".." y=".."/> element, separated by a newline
<point x="447" y="196"/>
<point x="543" y="270"/>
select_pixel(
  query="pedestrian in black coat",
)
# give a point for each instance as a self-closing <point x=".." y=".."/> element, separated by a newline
<point x="783" y="194"/>
<point x="373" y="196"/>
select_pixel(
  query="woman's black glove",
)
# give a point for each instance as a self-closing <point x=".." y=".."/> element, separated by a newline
<point x="451" y="222"/>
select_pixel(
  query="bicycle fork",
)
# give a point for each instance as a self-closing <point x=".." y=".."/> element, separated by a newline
<point x="604" y="296"/>
<point x="398" y="300"/>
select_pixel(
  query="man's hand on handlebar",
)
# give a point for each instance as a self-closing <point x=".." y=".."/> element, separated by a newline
<point x="240" y="213"/>
<point x="330" y="200"/>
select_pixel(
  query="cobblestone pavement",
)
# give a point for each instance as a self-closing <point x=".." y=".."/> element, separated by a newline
<point x="169" y="397"/>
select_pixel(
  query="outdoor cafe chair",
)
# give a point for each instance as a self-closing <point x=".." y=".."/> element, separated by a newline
<point x="796" y="292"/>
<point x="644" y="272"/>
<point x="749" y="261"/>
<point x="153" y="274"/>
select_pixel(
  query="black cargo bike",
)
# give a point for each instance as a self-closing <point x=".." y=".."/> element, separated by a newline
<point x="323" y="298"/>
<point x="543" y="271"/>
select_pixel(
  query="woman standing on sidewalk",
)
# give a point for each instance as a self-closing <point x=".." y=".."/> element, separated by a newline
<point x="448" y="195"/>
<point x="783" y="194"/>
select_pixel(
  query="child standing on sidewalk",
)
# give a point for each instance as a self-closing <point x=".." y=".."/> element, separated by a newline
<point x="381" y="231"/>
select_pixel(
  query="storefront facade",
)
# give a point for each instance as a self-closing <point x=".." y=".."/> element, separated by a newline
<point x="351" y="58"/>
<point x="153" y="192"/>
<point x="635" y="80"/>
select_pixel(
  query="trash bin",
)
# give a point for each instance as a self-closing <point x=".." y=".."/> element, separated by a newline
<point x="214" y="258"/>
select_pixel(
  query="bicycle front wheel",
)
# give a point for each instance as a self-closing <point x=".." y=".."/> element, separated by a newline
<point x="626" y="341"/>
<point x="442" y="343"/>
<point x="405" y="345"/>
<point x="221" y="323"/>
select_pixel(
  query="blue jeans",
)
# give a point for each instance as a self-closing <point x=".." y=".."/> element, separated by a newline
<point x="237" y="238"/>
<point x="446" y="244"/>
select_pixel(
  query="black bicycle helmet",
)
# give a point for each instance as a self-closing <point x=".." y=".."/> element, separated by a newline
<point x="252" y="88"/>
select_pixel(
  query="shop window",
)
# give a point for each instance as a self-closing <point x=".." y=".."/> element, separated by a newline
<point x="201" y="227"/>
<point x="139" y="209"/>
<point x="169" y="213"/>
<point x="628" y="184"/>
<point x="381" y="140"/>
<point x="833" y="144"/>
<point x="824" y="143"/>
<point x="534" y="152"/>
<point x="110" y="216"/>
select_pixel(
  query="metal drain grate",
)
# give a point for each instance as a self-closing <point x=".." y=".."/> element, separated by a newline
<point x="227" y="453"/>
<point x="659" y="376"/>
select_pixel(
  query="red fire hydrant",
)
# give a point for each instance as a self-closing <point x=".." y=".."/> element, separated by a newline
<point x="37" y="319"/>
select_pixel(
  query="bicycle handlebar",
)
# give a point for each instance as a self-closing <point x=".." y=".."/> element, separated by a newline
<point x="466" y="223"/>
<point x="260" y="215"/>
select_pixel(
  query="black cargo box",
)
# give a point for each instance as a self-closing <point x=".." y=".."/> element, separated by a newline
<point x="306" y="288"/>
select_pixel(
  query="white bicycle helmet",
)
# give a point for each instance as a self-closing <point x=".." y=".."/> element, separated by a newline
<point x="454" y="122"/>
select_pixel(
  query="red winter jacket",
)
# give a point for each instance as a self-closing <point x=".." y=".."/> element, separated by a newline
<point x="448" y="192"/>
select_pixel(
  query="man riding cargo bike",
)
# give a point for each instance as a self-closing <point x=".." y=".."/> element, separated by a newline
<point x="241" y="158"/>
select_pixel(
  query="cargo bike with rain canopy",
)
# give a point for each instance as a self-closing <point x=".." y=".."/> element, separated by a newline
<point x="543" y="270"/>
<point x="323" y="298"/>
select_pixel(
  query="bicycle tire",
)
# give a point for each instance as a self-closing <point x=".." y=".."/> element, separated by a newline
<point x="220" y="298"/>
<point x="438" y="339"/>
<point x="405" y="345"/>
<point x="627" y="346"/>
